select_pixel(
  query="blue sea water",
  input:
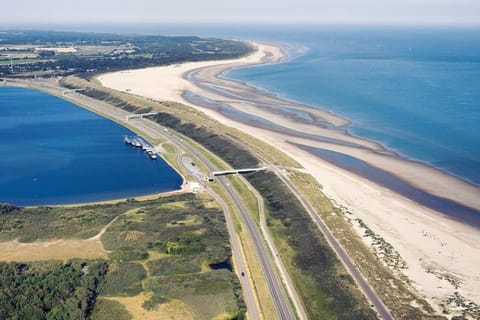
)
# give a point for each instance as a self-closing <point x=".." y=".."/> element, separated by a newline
<point x="53" y="152"/>
<point x="414" y="90"/>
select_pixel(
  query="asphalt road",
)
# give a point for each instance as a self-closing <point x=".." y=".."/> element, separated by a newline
<point x="281" y="302"/>
<point x="350" y="266"/>
<point x="279" y="296"/>
<point x="367" y="289"/>
<point x="292" y="292"/>
<point x="154" y="130"/>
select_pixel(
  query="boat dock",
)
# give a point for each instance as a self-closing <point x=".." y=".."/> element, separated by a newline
<point x="138" y="142"/>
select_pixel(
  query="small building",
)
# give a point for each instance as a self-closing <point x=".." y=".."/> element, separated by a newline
<point x="195" y="187"/>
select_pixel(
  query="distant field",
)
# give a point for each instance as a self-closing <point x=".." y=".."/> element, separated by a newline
<point x="21" y="61"/>
<point x="17" y="55"/>
<point x="79" y="53"/>
<point x="57" y="49"/>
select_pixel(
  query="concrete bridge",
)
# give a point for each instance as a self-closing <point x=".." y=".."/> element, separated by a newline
<point x="139" y="115"/>
<point x="236" y="171"/>
<point x="72" y="90"/>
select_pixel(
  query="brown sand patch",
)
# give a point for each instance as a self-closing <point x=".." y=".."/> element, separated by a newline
<point x="132" y="235"/>
<point x="172" y="310"/>
<point x="51" y="250"/>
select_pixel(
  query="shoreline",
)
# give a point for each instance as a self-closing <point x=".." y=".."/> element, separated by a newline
<point x="394" y="153"/>
<point x="142" y="197"/>
<point x="431" y="243"/>
<point x="452" y="210"/>
<point x="372" y="152"/>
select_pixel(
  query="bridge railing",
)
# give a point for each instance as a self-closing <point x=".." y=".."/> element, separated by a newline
<point x="139" y="115"/>
<point x="236" y="171"/>
<point x="72" y="90"/>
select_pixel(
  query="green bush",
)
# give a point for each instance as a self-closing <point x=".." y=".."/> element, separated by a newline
<point x="123" y="279"/>
<point x="173" y="265"/>
<point x="108" y="309"/>
<point x="129" y="254"/>
<point x="178" y="286"/>
<point x="141" y="227"/>
<point x="219" y="144"/>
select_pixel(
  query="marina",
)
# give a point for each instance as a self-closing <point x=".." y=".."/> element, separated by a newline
<point x="138" y="142"/>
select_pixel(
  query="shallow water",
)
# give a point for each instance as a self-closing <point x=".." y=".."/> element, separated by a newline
<point x="414" y="90"/>
<point x="452" y="209"/>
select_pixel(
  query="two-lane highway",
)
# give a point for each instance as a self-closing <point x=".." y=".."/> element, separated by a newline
<point x="280" y="299"/>
<point x="349" y="265"/>
<point x="154" y="130"/>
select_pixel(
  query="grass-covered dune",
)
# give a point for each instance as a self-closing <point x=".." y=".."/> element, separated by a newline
<point x="156" y="257"/>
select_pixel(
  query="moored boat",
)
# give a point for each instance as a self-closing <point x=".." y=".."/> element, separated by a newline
<point x="152" y="154"/>
<point x="138" y="142"/>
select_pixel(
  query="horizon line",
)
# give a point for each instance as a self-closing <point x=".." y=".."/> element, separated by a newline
<point x="476" y="23"/>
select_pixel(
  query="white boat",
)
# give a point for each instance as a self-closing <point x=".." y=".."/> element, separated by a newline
<point x="152" y="155"/>
<point x="138" y="142"/>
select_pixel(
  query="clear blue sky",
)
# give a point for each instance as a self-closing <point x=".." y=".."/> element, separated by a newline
<point x="19" y="12"/>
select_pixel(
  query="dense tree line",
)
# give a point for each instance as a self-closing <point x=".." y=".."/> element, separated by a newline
<point x="49" y="290"/>
<point x="42" y="37"/>
<point x="7" y="208"/>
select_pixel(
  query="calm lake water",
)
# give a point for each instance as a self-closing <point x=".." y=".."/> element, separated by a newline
<point x="53" y="152"/>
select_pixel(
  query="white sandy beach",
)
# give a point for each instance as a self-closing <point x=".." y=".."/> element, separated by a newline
<point x="425" y="239"/>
